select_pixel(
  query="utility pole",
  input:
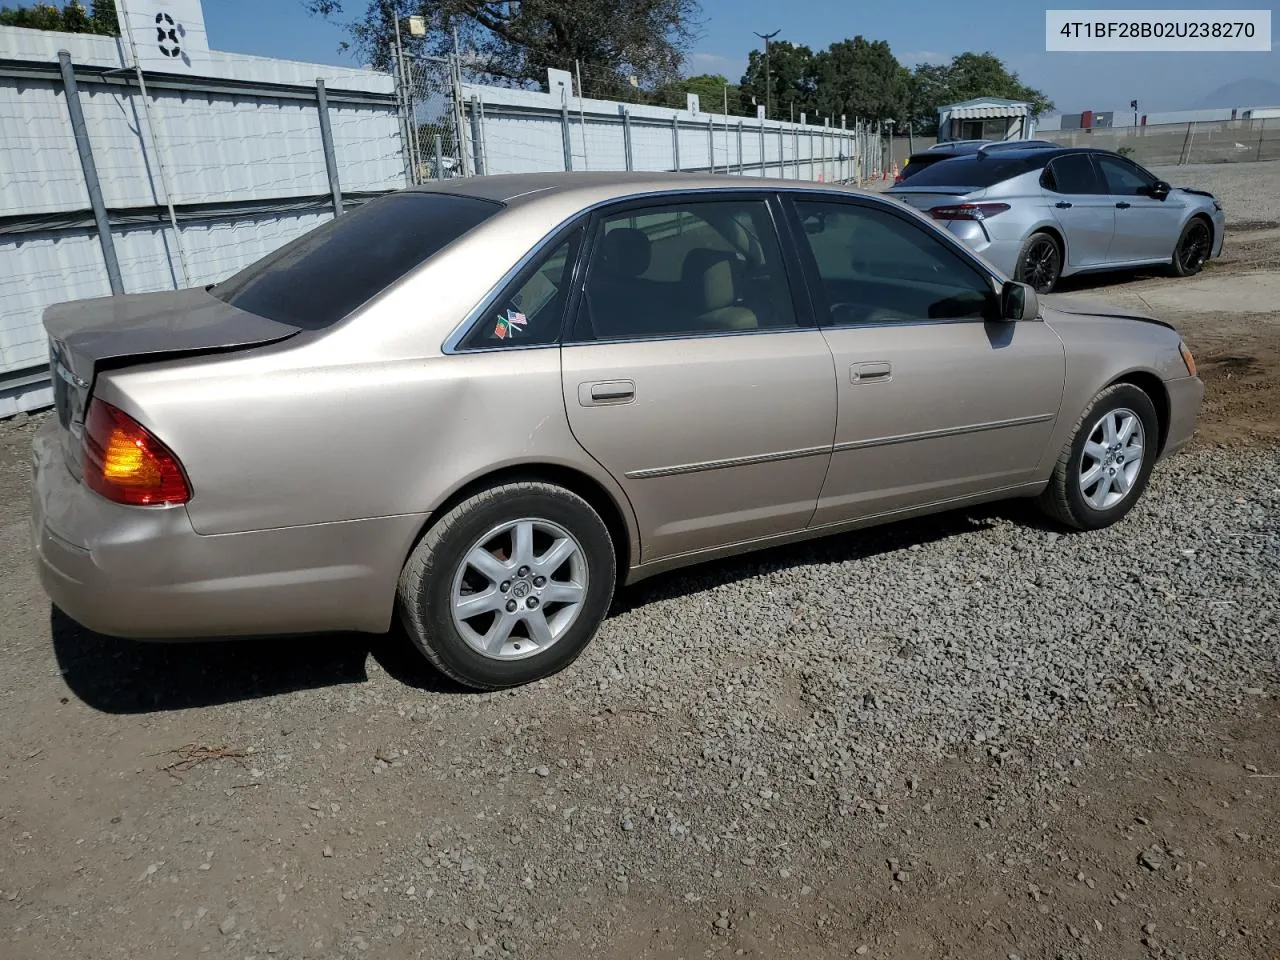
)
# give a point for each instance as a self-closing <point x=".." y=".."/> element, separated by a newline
<point x="1134" y="104"/>
<point x="768" y="76"/>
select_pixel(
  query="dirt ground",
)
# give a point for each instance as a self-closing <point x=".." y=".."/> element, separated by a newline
<point x="136" y="819"/>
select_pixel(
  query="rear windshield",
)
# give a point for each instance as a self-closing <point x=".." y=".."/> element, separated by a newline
<point x="970" y="171"/>
<point x="319" y="278"/>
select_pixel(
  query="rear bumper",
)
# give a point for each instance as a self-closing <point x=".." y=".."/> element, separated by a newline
<point x="144" y="572"/>
<point x="1185" y="397"/>
<point x="1001" y="254"/>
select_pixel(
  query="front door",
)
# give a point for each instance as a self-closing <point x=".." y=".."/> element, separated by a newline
<point x="1079" y="202"/>
<point x="935" y="401"/>
<point x="1146" y="228"/>
<point x="691" y="377"/>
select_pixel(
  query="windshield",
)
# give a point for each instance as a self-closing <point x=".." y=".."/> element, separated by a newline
<point x="970" y="172"/>
<point x="319" y="278"/>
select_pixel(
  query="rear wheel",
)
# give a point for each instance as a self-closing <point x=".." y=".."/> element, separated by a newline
<point x="1193" y="248"/>
<point x="1040" y="262"/>
<point x="509" y="586"/>
<point x="1104" y="467"/>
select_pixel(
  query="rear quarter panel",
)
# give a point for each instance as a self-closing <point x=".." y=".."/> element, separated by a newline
<point x="1101" y="351"/>
<point x="367" y="419"/>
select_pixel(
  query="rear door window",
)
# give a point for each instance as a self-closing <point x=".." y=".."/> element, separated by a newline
<point x="975" y="172"/>
<point x="319" y="278"/>
<point x="1072" y="174"/>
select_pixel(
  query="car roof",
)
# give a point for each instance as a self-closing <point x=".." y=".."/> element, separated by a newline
<point x="1036" y="157"/>
<point x="516" y="188"/>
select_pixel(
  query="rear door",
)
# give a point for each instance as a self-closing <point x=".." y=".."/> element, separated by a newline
<point x="1146" y="228"/>
<point x="694" y="375"/>
<point x="1081" y="206"/>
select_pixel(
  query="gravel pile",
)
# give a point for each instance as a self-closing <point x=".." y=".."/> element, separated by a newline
<point x="739" y="722"/>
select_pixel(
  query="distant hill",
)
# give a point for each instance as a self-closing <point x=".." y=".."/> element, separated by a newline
<point x="1253" y="92"/>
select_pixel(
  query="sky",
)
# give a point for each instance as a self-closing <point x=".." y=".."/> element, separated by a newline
<point x="916" y="30"/>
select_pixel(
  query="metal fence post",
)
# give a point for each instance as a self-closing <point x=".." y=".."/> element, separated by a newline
<point x="626" y="137"/>
<point x="439" y="148"/>
<point x="326" y="137"/>
<point x="475" y="136"/>
<point x="711" y="143"/>
<point x="739" y="148"/>
<point x="675" y="142"/>
<point x="795" y="149"/>
<point x="564" y="133"/>
<point x="91" y="182"/>
<point x="782" y="154"/>
<point x="763" y="169"/>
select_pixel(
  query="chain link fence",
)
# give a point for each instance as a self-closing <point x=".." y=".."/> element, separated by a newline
<point x="1178" y="144"/>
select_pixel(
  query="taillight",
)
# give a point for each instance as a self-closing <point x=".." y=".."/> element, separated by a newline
<point x="124" y="462"/>
<point x="968" y="211"/>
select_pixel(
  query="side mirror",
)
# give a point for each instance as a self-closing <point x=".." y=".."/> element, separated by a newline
<point x="1018" y="301"/>
<point x="1160" y="189"/>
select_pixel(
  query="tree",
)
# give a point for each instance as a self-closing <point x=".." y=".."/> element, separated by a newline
<point x="515" y="41"/>
<point x="791" y="79"/>
<point x="711" y="89"/>
<point x="72" y="18"/>
<point x="966" y="77"/>
<point x="861" y="78"/>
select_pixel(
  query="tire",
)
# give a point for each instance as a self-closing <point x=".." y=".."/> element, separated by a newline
<point x="1039" y="262"/>
<point x="517" y="647"/>
<point x="1193" y="248"/>
<point x="1076" y="503"/>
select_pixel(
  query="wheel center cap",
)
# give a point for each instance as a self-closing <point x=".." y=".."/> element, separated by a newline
<point x="521" y="589"/>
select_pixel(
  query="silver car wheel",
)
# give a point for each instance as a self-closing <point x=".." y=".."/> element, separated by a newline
<point x="519" y="589"/>
<point x="1112" y="458"/>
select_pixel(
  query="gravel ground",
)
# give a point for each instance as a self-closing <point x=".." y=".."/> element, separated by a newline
<point x="737" y="743"/>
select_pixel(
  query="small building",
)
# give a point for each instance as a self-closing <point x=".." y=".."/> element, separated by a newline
<point x="986" y="118"/>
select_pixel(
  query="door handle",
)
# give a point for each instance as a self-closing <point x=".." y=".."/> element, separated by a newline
<point x="875" y="372"/>
<point x="1062" y="205"/>
<point x="604" y="392"/>
<point x="1123" y="205"/>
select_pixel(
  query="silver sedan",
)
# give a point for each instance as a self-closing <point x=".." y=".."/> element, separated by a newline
<point x="1043" y="212"/>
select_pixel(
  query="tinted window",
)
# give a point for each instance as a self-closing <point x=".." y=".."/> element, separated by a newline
<point x="975" y="171"/>
<point x="533" y="313"/>
<point x="918" y="162"/>
<point x="1123" y="179"/>
<point x="875" y="267"/>
<point x="685" y="269"/>
<point x="1071" y="174"/>
<point x="319" y="278"/>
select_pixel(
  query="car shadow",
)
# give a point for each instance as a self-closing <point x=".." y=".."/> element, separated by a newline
<point x="837" y="548"/>
<point x="129" y="676"/>
<point x="1099" y="282"/>
<point x="136" y="677"/>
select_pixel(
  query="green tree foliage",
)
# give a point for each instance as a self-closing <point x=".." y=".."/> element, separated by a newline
<point x="71" y="18"/>
<point x="861" y="78"/>
<point x="967" y="76"/>
<point x="515" y="41"/>
<point x="711" y="89"/>
<point x="793" y="76"/>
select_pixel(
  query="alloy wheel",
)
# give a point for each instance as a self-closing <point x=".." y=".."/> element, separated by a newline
<point x="519" y="588"/>
<point x="1112" y="458"/>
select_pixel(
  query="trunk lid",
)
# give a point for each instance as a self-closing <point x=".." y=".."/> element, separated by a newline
<point x="925" y="198"/>
<point x="87" y="336"/>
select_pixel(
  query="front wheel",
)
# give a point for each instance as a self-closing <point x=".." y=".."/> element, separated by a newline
<point x="509" y="586"/>
<point x="1194" y="246"/>
<point x="1105" y="466"/>
<point x="1039" y="263"/>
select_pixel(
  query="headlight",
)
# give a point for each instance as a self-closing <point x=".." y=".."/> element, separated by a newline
<point x="1187" y="358"/>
